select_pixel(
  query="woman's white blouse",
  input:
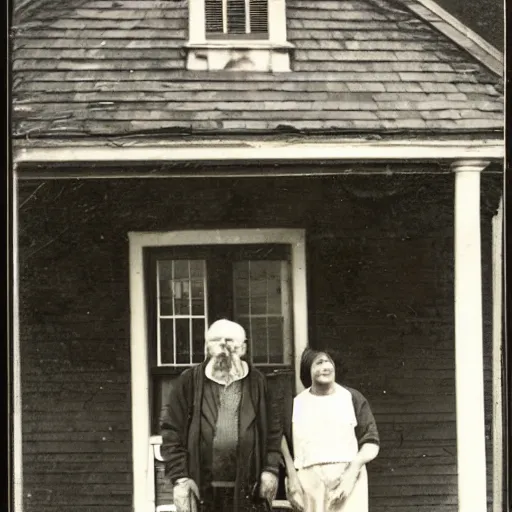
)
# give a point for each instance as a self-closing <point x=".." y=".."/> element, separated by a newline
<point x="323" y="428"/>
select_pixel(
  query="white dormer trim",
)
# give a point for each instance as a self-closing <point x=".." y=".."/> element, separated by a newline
<point x="272" y="54"/>
<point x="196" y="21"/>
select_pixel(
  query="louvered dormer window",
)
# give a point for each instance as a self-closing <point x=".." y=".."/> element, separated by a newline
<point x="236" y="35"/>
<point x="237" y="19"/>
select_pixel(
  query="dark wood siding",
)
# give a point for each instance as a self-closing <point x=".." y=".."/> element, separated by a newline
<point x="380" y="273"/>
<point x="389" y="323"/>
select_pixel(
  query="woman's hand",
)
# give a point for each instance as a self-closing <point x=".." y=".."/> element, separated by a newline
<point x="294" y="492"/>
<point x="346" y="485"/>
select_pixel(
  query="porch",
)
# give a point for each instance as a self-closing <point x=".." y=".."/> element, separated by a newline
<point x="468" y="349"/>
<point x="439" y="228"/>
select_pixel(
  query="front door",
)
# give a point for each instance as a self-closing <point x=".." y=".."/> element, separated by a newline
<point x="188" y="288"/>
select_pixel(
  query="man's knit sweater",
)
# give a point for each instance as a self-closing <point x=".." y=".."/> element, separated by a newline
<point x="225" y="439"/>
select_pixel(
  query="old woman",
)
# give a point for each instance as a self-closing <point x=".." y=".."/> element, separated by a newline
<point x="334" y="436"/>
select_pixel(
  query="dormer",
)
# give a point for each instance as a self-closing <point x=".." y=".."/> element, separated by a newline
<point x="233" y="35"/>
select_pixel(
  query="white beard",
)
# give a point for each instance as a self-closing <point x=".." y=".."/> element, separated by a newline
<point x="227" y="368"/>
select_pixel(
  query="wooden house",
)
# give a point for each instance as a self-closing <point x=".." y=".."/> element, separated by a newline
<point x="326" y="173"/>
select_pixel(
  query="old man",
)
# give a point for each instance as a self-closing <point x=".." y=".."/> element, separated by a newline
<point x="221" y="443"/>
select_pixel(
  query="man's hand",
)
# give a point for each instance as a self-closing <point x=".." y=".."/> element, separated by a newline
<point x="185" y="495"/>
<point x="346" y="485"/>
<point x="268" y="486"/>
<point x="294" y="492"/>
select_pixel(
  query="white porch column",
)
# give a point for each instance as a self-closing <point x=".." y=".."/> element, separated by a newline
<point x="469" y="338"/>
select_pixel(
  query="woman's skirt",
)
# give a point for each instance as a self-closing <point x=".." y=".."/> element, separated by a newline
<point x="318" y="481"/>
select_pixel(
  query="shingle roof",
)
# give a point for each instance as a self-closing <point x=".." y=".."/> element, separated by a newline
<point x="113" y="67"/>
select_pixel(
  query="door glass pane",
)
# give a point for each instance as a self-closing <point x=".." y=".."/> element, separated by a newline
<point x="165" y="287"/>
<point x="274" y="299"/>
<point x="196" y="269"/>
<point x="241" y="287"/>
<point x="166" y="341"/>
<point x="241" y="276"/>
<point x="181" y="294"/>
<point x="258" y="287"/>
<point x="275" y="340"/>
<point x="197" y="292"/>
<point x="165" y="270"/>
<point x="258" y="339"/>
<point x="198" y="332"/>
<point x="181" y="269"/>
<point x="166" y="307"/>
<point x="182" y="341"/>
<point x="242" y="307"/>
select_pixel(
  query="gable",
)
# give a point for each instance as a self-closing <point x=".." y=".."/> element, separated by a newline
<point x="118" y="67"/>
<point x="484" y="17"/>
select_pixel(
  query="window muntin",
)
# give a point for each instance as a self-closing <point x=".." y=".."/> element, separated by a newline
<point x="236" y="19"/>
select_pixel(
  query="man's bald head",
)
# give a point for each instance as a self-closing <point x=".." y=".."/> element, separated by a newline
<point x="225" y="329"/>
<point x="225" y="339"/>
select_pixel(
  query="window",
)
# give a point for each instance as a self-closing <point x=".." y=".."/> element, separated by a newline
<point x="188" y="288"/>
<point x="234" y="35"/>
<point x="236" y="19"/>
<point x="192" y="287"/>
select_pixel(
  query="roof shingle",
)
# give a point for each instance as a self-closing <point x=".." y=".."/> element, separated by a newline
<point x="118" y="67"/>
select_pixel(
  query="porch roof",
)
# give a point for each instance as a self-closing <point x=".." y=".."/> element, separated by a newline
<point x="115" y="68"/>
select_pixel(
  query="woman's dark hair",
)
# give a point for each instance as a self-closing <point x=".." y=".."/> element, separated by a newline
<point x="306" y="362"/>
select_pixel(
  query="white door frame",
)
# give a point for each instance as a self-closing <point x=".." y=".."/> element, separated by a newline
<point x="143" y="501"/>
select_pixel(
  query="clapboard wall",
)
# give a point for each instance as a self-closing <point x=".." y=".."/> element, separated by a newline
<point x="380" y="292"/>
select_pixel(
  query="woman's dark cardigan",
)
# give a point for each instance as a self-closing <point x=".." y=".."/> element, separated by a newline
<point x="260" y="433"/>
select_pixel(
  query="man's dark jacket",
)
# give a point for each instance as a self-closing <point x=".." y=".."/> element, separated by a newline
<point x="260" y="433"/>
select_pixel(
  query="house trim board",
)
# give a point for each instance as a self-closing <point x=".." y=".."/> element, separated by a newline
<point x="263" y="151"/>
